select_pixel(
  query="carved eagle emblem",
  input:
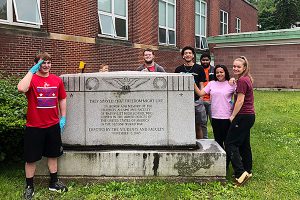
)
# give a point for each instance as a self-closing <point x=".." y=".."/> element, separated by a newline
<point x="126" y="84"/>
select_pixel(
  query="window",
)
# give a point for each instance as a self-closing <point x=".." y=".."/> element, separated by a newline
<point x="223" y="22"/>
<point x="200" y="24"/>
<point x="113" y="18"/>
<point x="20" y="12"/>
<point x="238" y="25"/>
<point x="167" y="22"/>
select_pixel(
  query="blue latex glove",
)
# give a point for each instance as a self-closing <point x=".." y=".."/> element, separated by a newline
<point x="36" y="67"/>
<point x="62" y="123"/>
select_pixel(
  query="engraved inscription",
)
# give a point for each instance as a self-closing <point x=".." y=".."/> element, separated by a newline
<point x="127" y="116"/>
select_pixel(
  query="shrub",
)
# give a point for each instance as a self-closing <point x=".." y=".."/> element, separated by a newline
<point x="12" y="119"/>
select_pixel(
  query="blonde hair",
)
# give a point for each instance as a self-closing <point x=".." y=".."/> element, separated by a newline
<point x="245" y="63"/>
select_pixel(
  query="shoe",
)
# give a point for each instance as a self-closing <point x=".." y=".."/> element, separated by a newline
<point x="28" y="193"/>
<point x="242" y="179"/>
<point x="250" y="175"/>
<point x="58" y="187"/>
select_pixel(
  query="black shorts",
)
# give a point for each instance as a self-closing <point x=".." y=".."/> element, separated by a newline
<point x="39" y="142"/>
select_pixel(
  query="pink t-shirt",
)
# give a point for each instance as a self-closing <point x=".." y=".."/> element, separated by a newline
<point x="220" y="97"/>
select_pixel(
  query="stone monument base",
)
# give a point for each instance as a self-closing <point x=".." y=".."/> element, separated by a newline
<point x="207" y="162"/>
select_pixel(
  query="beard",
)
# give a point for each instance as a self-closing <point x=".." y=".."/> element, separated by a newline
<point x="205" y="65"/>
<point x="148" y="62"/>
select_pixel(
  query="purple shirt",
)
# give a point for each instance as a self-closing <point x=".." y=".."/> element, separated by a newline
<point x="220" y="97"/>
<point x="244" y="86"/>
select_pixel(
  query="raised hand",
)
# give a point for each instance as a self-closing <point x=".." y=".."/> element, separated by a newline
<point x="36" y="67"/>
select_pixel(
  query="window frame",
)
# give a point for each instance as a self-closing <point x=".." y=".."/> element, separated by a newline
<point x="238" y="25"/>
<point x="203" y="41"/>
<point x="11" y="8"/>
<point x="114" y="16"/>
<point x="167" y="29"/>
<point x="222" y="23"/>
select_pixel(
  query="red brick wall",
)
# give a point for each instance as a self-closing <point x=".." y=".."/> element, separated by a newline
<point x="77" y="17"/>
<point x="185" y="23"/>
<point x="213" y="20"/>
<point x="235" y="8"/>
<point x="143" y="18"/>
<point x="17" y="54"/>
<point x="246" y="13"/>
<point x="271" y="66"/>
<point x="80" y="18"/>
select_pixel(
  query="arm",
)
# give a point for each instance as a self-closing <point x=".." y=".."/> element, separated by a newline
<point x="63" y="107"/>
<point x="238" y="105"/>
<point x="63" y="112"/>
<point x="232" y="81"/>
<point x="24" y="84"/>
<point x="198" y="91"/>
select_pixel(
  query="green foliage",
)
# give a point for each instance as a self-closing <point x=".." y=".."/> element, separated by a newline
<point x="275" y="141"/>
<point x="287" y="12"/>
<point x="278" y="14"/>
<point x="12" y="119"/>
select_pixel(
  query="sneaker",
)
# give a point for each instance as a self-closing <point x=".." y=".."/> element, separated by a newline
<point x="250" y="175"/>
<point x="242" y="179"/>
<point x="28" y="193"/>
<point x="58" y="187"/>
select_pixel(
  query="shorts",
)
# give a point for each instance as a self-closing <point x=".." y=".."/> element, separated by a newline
<point x="39" y="142"/>
<point x="200" y="113"/>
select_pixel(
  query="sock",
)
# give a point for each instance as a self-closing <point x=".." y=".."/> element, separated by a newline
<point x="53" y="177"/>
<point x="29" y="182"/>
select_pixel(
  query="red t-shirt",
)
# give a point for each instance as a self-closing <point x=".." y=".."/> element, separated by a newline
<point x="244" y="86"/>
<point x="43" y="96"/>
<point x="151" y="68"/>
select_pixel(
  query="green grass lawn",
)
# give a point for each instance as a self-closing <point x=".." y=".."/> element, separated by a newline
<point x="275" y="140"/>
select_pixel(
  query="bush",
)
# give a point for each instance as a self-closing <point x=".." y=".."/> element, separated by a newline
<point x="13" y="107"/>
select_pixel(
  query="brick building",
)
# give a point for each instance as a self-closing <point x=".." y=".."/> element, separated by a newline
<point x="113" y="32"/>
<point x="273" y="55"/>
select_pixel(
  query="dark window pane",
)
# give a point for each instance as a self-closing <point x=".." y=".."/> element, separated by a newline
<point x="3" y="9"/>
<point x="221" y="29"/>
<point x="197" y="41"/>
<point x="221" y="16"/>
<point x="203" y="43"/>
<point x="120" y="27"/>
<point x="162" y="35"/>
<point x="171" y="37"/>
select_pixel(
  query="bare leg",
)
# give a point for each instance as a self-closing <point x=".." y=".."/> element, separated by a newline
<point x="52" y="165"/>
<point x="30" y="169"/>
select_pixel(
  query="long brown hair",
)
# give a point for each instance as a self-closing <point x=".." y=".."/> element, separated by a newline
<point x="245" y="62"/>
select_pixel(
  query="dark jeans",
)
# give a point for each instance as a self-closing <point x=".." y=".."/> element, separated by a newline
<point x="237" y="143"/>
<point x="220" y="129"/>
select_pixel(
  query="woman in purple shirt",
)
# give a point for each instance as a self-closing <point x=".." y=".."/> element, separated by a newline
<point x="237" y="143"/>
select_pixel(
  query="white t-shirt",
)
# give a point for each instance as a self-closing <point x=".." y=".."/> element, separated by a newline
<point x="220" y="97"/>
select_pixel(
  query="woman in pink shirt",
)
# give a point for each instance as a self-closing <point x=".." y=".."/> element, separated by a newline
<point x="221" y="93"/>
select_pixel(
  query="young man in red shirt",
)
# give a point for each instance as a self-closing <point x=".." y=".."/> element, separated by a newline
<point x="150" y="65"/>
<point x="46" y="118"/>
